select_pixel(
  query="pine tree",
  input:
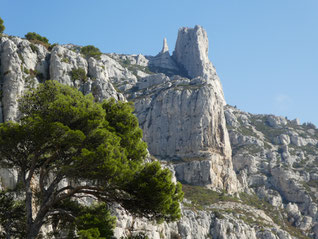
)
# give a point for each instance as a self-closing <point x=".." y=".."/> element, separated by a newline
<point x="63" y="135"/>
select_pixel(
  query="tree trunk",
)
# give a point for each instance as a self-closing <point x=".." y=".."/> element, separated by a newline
<point x="33" y="231"/>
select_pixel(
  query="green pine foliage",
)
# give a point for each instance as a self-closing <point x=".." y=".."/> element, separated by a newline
<point x="91" y="233"/>
<point x="91" y="51"/>
<point x="37" y="39"/>
<point x="82" y="220"/>
<point x="34" y="36"/>
<point x="62" y="135"/>
<point x="12" y="216"/>
<point x="2" y="27"/>
<point x="96" y="218"/>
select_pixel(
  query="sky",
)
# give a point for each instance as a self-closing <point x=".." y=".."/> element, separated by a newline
<point x="265" y="52"/>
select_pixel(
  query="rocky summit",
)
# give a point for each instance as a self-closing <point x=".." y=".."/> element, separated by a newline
<point x="244" y="175"/>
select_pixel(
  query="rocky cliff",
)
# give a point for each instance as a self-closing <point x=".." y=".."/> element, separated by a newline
<point x="244" y="175"/>
<point x="182" y="117"/>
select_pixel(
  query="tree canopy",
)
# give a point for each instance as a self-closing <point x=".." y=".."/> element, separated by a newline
<point x="38" y="39"/>
<point x="91" y="51"/>
<point x="2" y="27"/>
<point x="67" y="146"/>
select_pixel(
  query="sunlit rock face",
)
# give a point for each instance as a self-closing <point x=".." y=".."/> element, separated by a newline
<point x="23" y="65"/>
<point x="183" y="118"/>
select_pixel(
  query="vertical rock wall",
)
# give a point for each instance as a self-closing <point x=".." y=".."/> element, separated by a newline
<point x="183" y="119"/>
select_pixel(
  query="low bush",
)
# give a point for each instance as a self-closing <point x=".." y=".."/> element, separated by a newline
<point x="202" y="196"/>
<point x="91" y="51"/>
<point x="2" y="27"/>
<point x="78" y="74"/>
<point x="37" y="39"/>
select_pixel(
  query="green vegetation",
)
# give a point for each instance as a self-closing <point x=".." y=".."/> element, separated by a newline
<point x="252" y="149"/>
<point x="11" y="213"/>
<point x="269" y="132"/>
<point x="88" y="221"/>
<point x="33" y="73"/>
<point x="66" y="60"/>
<point x="97" y="218"/>
<point x="52" y="46"/>
<point x="37" y="39"/>
<point x="64" y="135"/>
<point x="253" y="200"/>
<point x="246" y="130"/>
<point x="78" y="74"/>
<point x="2" y="27"/>
<point x="91" y="51"/>
<point x="308" y="187"/>
<point x="21" y="58"/>
<point x="31" y="36"/>
<point x="26" y="70"/>
<point x="34" y="48"/>
<point x="201" y="196"/>
<point x="308" y="149"/>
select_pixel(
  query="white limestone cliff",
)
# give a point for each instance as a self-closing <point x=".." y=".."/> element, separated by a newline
<point x="183" y="119"/>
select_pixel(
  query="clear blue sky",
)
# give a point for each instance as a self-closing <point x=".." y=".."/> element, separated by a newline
<point x="265" y="52"/>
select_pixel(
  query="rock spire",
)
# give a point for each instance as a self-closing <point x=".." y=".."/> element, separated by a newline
<point x="183" y="118"/>
<point x="191" y="51"/>
<point x="165" y="47"/>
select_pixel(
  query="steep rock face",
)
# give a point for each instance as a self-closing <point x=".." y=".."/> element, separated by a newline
<point x="64" y="61"/>
<point x="191" y="51"/>
<point x="183" y="119"/>
<point x="276" y="158"/>
<point x="22" y="66"/>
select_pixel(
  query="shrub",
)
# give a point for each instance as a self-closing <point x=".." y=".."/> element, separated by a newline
<point x="91" y="51"/>
<point x="51" y="46"/>
<point x="34" y="48"/>
<point x="78" y="74"/>
<point x="2" y="27"/>
<point x="26" y="70"/>
<point x="37" y="39"/>
<point x="95" y="220"/>
<point x="201" y="196"/>
<point x="34" y="36"/>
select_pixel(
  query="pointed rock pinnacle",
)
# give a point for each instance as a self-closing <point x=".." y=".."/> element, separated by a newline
<point x="165" y="47"/>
